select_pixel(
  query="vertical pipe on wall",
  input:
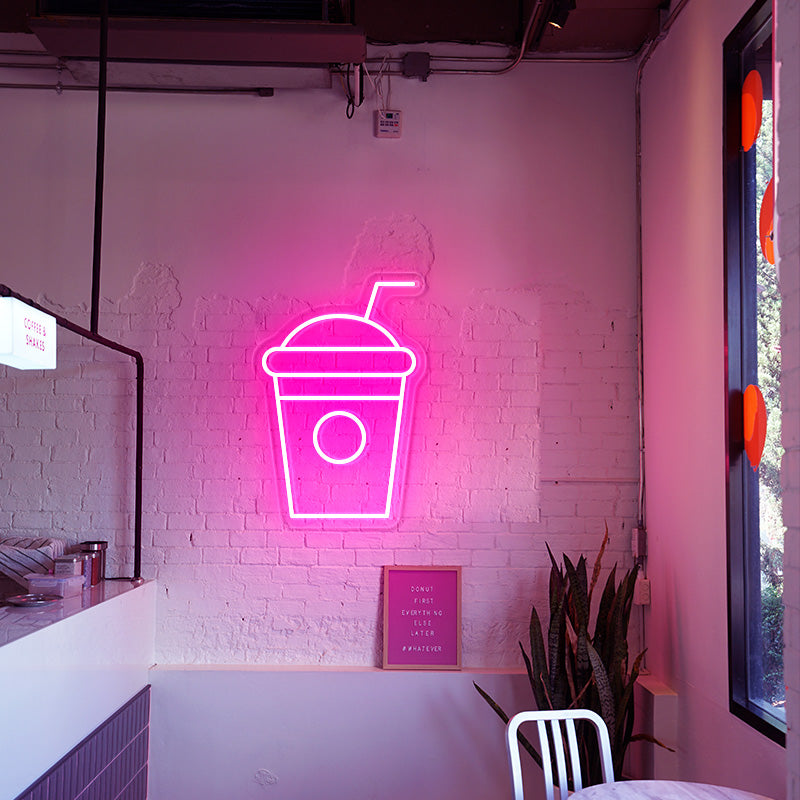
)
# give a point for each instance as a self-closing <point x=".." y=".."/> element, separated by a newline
<point x="137" y="502"/>
<point x="100" y="165"/>
<point x="102" y="90"/>
<point x="641" y="505"/>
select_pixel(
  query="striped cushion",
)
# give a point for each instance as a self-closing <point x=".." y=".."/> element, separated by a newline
<point x="20" y="556"/>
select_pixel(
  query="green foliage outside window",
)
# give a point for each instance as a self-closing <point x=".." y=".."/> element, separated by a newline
<point x="770" y="502"/>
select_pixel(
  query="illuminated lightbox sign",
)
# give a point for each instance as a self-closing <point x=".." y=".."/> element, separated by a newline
<point x="27" y="336"/>
<point x="340" y="386"/>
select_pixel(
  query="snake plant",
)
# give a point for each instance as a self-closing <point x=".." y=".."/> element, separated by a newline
<point x="580" y="667"/>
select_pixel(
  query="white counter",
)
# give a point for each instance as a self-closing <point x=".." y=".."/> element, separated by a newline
<point x="64" y="669"/>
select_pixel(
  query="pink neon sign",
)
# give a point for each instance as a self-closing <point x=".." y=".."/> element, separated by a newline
<point x="340" y="383"/>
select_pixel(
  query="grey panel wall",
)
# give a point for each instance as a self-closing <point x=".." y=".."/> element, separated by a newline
<point x="110" y="764"/>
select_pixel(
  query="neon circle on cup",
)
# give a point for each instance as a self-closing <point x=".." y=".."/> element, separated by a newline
<point x="359" y="450"/>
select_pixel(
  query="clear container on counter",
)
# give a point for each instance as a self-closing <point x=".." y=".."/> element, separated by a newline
<point x="60" y="585"/>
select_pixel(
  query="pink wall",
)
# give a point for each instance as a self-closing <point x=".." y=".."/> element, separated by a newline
<point x="684" y="400"/>
<point x="227" y="217"/>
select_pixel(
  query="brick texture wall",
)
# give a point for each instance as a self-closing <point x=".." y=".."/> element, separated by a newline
<point x="524" y="432"/>
<point x="787" y="54"/>
<point x="67" y="450"/>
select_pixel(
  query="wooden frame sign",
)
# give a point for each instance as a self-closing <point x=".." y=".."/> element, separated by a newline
<point x="422" y="617"/>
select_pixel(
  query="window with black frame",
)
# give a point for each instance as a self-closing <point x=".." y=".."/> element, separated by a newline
<point x="753" y="312"/>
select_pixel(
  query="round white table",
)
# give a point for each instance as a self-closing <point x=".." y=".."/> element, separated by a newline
<point x="662" y="790"/>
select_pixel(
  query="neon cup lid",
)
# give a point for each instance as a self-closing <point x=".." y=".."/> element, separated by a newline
<point x="339" y="345"/>
<point x="342" y="346"/>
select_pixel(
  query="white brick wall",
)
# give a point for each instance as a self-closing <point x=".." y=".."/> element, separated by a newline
<point x="296" y="216"/>
<point x="787" y="54"/>
<point x="524" y="432"/>
<point x="68" y="449"/>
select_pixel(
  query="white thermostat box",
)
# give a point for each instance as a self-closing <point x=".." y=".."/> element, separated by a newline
<point x="388" y="124"/>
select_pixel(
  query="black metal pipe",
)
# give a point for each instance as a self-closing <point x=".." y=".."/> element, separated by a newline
<point x="264" y="92"/>
<point x="93" y="336"/>
<point x="137" y="503"/>
<point x="100" y="165"/>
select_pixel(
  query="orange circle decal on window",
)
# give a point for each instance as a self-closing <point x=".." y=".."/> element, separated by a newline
<point x="755" y="424"/>
<point x="766" y="223"/>
<point x="752" y="98"/>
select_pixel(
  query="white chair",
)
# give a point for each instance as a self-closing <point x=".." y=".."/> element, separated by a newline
<point x="553" y="720"/>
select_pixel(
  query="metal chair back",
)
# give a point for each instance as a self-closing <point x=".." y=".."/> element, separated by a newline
<point x="566" y="753"/>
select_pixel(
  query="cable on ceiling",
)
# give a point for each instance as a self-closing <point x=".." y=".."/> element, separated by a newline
<point x="526" y="38"/>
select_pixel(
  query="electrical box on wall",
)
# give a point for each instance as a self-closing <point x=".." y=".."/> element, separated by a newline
<point x="641" y="591"/>
<point x="388" y="124"/>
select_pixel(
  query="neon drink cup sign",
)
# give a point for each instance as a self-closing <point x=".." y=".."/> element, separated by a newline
<point x="340" y="383"/>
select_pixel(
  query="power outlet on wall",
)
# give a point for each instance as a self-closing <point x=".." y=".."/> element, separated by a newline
<point x="641" y="591"/>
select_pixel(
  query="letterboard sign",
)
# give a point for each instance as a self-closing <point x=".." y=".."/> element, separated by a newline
<point x="422" y="617"/>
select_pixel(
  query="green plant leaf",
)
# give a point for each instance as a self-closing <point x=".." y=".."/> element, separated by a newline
<point x="577" y="589"/>
<point x="598" y="562"/>
<point x="527" y="661"/>
<point x="502" y="714"/>
<point x="539" y="675"/>
<point x="578" y="700"/>
<point x="570" y="669"/>
<point x="625" y="707"/>
<point x="553" y="561"/>
<point x="607" y="706"/>
<point x="580" y="574"/>
<point x="622" y="619"/>
<point x="604" y="611"/>
<point x="583" y="666"/>
<point x="556" y="643"/>
<point x="614" y="654"/>
<point x="497" y="709"/>
<point x="646" y="737"/>
<point x="580" y="621"/>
